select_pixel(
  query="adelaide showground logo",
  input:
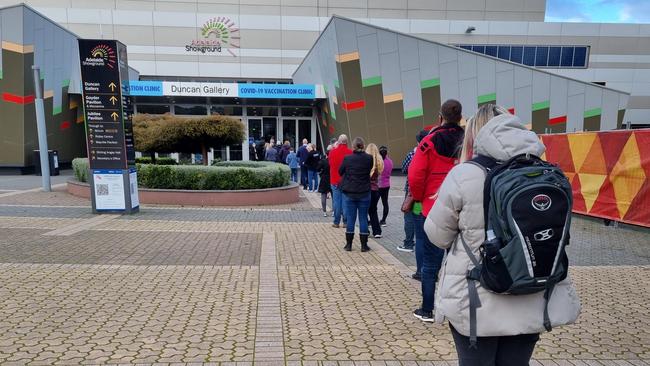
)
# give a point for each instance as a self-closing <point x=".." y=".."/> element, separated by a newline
<point x="101" y="55"/>
<point x="218" y="33"/>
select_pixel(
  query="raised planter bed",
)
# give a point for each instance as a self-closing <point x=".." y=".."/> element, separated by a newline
<point x="251" y="197"/>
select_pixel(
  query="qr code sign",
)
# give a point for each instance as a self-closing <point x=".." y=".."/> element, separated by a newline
<point x="102" y="189"/>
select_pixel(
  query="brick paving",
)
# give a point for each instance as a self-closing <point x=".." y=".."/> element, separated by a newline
<point x="267" y="286"/>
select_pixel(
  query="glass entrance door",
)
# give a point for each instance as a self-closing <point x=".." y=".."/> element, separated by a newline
<point x="289" y="132"/>
<point x="269" y="128"/>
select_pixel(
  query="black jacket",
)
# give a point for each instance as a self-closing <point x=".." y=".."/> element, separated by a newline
<point x="312" y="160"/>
<point x="355" y="173"/>
<point x="284" y="152"/>
<point x="324" y="171"/>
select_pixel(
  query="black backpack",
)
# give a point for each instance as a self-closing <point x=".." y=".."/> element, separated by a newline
<point x="527" y="206"/>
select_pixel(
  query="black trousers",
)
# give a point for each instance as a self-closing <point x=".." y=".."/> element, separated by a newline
<point x="495" y="351"/>
<point x="372" y="213"/>
<point x="383" y="193"/>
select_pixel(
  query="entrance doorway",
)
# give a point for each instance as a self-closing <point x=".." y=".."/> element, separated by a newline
<point x="296" y="129"/>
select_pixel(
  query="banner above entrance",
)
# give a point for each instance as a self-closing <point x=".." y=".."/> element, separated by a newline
<point x="194" y="89"/>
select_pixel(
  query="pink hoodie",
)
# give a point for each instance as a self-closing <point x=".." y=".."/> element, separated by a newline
<point x="384" y="179"/>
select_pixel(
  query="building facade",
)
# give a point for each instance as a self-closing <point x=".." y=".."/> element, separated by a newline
<point x="265" y="41"/>
<point x="387" y="86"/>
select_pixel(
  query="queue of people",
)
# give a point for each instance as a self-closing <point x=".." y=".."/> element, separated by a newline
<point x="448" y="225"/>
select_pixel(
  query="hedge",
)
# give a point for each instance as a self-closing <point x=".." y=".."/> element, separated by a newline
<point x="80" y="169"/>
<point x="230" y="175"/>
<point x="159" y="161"/>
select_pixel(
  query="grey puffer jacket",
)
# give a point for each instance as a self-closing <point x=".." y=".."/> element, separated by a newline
<point x="459" y="209"/>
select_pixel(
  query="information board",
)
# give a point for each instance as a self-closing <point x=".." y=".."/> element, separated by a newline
<point x="102" y="62"/>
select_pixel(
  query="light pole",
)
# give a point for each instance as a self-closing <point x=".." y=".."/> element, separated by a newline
<point x="42" y="132"/>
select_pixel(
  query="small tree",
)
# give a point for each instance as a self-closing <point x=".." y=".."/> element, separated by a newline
<point x="170" y="133"/>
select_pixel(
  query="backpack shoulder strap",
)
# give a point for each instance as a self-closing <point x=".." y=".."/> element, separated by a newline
<point x="473" y="275"/>
<point x="488" y="164"/>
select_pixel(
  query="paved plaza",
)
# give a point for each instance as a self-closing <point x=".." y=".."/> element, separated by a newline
<point x="264" y="285"/>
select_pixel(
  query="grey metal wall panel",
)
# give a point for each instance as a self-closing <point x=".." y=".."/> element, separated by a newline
<point x="449" y="88"/>
<point x="363" y="30"/>
<point x="392" y="82"/>
<point x="505" y="89"/>
<point x="523" y="77"/>
<point x="447" y="54"/>
<point x="576" y="88"/>
<point x="408" y="51"/>
<point x="387" y="41"/>
<point x="411" y="90"/>
<point x="345" y="36"/>
<point x="486" y="71"/>
<point x="12" y="25"/>
<point x="541" y="87"/>
<point x="593" y="97"/>
<point x="609" y="110"/>
<point x="466" y="66"/>
<point x="429" y="67"/>
<point x="468" y="93"/>
<point x="504" y="66"/>
<point x="559" y="96"/>
<point x="575" y="115"/>
<point x="369" y="56"/>
<point x="29" y="20"/>
<point x="524" y="104"/>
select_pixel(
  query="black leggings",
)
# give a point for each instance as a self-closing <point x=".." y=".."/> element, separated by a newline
<point x="383" y="193"/>
<point x="372" y="213"/>
<point x="495" y="351"/>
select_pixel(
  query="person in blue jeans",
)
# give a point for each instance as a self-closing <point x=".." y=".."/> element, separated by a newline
<point x="292" y="161"/>
<point x="355" y="186"/>
<point x="313" y="158"/>
<point x="409" y="219"/>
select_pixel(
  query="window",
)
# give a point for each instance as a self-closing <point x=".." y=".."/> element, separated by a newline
<point x="504" y="52"/>
<point x="516" y="54"/>
<point x="580" y="57"/>
<point x="529" y="56"/>
<point x="567" y="57"/>
<point x="191" y="110"/>
<point x="538" y="56"/>
<point x="152" y="108"/>
<point x="226" y="110"/>
<point x="262" y="111"/>
<point x="479" y="49"/>
<point x="541" y="58"/>
<point x="554" y="56"/>
<point x="296" y="112"/>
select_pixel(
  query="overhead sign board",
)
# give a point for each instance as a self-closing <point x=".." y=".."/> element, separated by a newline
<point x="233" y="90"/>
<point x="280" y="91"/>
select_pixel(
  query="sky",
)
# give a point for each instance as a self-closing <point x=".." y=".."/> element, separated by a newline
<point x="598" y="11"/>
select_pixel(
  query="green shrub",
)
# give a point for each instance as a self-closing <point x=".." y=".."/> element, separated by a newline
<point x="159" y="161"/>
<point x="227" y="175"/>
<point x="222" y="176"/>
<point x="81" y="169"/>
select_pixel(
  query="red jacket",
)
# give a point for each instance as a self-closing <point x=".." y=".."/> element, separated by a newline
<point x="434" y="158"/>
<point x="336" y="158"/>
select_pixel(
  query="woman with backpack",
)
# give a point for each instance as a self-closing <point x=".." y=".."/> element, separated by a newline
<point x="489" y="328"/>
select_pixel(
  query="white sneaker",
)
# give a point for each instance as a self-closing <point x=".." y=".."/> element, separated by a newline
<point x="324" y="214"/>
